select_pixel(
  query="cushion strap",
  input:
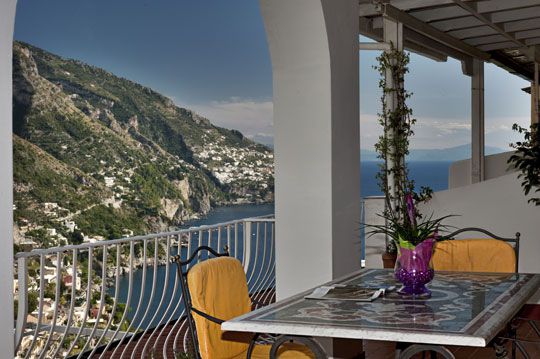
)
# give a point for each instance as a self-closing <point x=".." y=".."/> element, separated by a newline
<point x="207" y="316"/>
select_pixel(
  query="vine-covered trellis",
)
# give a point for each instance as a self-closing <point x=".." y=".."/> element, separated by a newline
<point x="393" y="144"/>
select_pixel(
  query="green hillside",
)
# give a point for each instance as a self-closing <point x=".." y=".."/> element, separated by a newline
<point x="116" y="158"/>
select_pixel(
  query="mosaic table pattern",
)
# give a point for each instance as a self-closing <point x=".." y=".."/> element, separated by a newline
<point x="465" y="309"/>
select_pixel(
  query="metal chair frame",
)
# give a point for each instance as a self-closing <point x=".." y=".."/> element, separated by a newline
<point x="411" y="350"/>
<point x="498" y="343"/>
<point x="308" y="342"/>
<point x="186" y="298"/>
<point x="515" y="240"/>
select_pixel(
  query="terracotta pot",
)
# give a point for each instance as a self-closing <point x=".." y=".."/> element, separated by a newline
<point x="389" y="260"/>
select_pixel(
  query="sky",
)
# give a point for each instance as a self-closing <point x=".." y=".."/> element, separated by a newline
<point x="211" y="56"/>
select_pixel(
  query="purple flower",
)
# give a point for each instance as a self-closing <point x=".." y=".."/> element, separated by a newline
<point x="435" y="235"/>
<point x="411" y="211"/>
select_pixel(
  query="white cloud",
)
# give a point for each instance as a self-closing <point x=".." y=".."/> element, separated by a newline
<point x="254" y="118"/>
<point x="251" y="117"/>
<point x="446" y="132"/>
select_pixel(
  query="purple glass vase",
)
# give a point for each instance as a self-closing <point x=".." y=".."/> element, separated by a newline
<point x="413" y="269"/>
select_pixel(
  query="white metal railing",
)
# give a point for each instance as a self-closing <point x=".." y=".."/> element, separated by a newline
<point x="122" y="296"/>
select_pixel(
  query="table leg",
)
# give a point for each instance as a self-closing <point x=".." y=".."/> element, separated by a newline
<point x="414" y="349"/>
<point x="500" y="349"/>
<point x="312" y="345"/>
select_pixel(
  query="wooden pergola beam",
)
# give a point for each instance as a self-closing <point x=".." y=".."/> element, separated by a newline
<point x="535" y="95"/>
<point x="472" y="8"/>
<point x="431" y="32"/>
<point x="372" y="9"/>
<point x="367" y="28"/>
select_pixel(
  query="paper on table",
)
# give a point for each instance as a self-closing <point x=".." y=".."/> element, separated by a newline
<point x="346" y="292"/>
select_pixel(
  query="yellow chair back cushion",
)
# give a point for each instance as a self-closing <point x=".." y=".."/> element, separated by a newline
<point x="474" y="255"/>
<point x="218" y="287"/>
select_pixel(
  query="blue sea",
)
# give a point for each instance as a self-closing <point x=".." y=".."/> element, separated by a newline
<point x="431" y="174"/>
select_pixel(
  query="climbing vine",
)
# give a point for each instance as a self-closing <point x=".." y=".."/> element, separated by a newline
<point x="392" y="147"/>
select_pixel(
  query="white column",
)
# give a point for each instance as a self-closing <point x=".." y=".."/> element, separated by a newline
<point x="314" y="51"/>
<point x="477" y="121"/>
<point x="7" y="18"/>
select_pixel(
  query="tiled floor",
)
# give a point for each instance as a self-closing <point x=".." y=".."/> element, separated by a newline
<point x="381" y="350"/>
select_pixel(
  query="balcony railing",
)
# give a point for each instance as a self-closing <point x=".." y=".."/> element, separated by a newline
<point x="121" y="298"/>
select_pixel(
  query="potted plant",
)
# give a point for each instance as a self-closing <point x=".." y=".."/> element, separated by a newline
<point x="409" y="237"/>
<point x="527" y="159"/>
<point x="414" y="238"/>
<point x="390" y="255"/>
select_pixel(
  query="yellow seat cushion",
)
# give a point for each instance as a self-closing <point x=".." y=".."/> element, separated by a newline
<point x="218" y="287"/>
<point x="474" y="255"/>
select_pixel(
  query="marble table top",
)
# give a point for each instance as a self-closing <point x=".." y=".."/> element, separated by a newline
<point x="466" y="309"/>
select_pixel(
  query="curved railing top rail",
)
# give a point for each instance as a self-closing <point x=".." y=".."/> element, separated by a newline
<point x="484" y="231"/>
<point x="52" y="250"/>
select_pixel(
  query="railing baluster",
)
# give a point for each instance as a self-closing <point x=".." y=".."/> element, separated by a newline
<point x="128" y="300"/>
<point x="200" y="235"/>
<point x="169" y="306"/>
<point x="72" y="301"/>
<point x="219" y="240"/>
<point x="236" y="241"/>
<point x="152" y="293"/>
<point x="246" y="244"/>
<point x="250" y="270"/>
<point x="270" y="274"/>
<point x="88" y="298"/>
<point x="101" y="300"/>
<point x="40" y="306"/>
<point x="243" y="241"/>
<point x="116" y="292"/>
<point x="229" y="247"/>
<point x="22" y="276"/>
<point x="161" y="301"/>
<point x="56" y="305"/>
<point x="176" y="308"/>
<point x="273" y="260"/>
<point x="190" y="237"/>
<point x="180" y="330"/>
<point x="257" y="285"/>
<point x="115" y="300"/>
<point x="267" y="278"/>
<point x="135" y="316"/>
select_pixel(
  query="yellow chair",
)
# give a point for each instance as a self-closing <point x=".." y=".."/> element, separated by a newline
<point x="216" y="290"/>
<point x="494" y="254"/>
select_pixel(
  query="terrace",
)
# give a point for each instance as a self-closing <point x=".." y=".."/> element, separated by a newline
<point x="315" y="57"/>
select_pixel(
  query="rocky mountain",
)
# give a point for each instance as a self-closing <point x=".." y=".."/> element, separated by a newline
<point x="102" y="155"/>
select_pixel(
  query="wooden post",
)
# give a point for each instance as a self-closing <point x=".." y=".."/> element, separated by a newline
<point x="535" y="96"/>
<point x="477" y="123"/>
